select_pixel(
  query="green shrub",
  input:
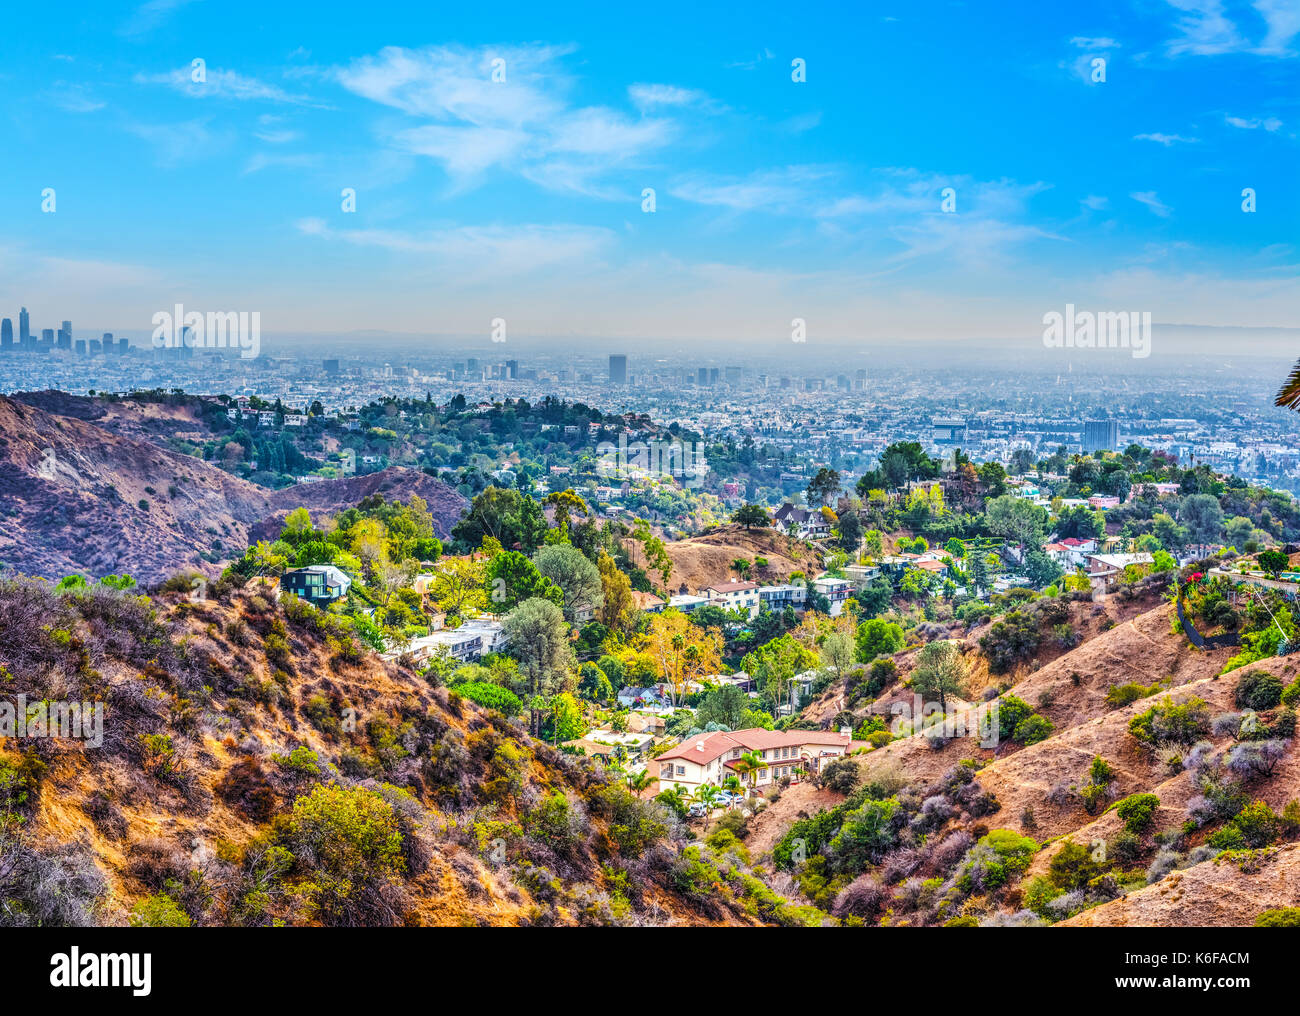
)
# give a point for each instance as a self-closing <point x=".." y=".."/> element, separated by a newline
<point x="491" y="696"/>
<point x="1258" y="690"/>
<point x="1073" y="867"/>
<point x="1184" y="723"/>
<point x="159" y="911"/>
<point x="1120" y="695"/>
<point x="1011" y="710"/>
<point x="1033" y="729"/>
<point x="1228" y="837"/>
<point x="1280" y="917"/>
<point x="1138" y="812"/>
<point x="1257" y="823"/>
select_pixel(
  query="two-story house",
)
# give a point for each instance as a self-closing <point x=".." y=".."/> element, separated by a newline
<point x="711" y="758"/>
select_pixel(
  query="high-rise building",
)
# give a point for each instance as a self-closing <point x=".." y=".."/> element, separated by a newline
<point x="702" y="376"/>
<point x="67" y="327"/>
<point x="331" y="367"/>
<point x="1100" y="436"/>
<point x="65" y="339"/>
<point x="6" y="335"/>
<point x="512" y="369"/>
<point x="24" y="328"/>
<point x="618" y="369"/>
<point x="122" y="346"/>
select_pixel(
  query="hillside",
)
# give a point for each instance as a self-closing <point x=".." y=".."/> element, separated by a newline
<point x="79" y="498"/>
<point x="1037" y="791"/>
<point x="705" y="560"/>
<point x="257" y="767"/>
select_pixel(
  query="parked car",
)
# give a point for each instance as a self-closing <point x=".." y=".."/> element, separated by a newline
<point x="697" y="810"/>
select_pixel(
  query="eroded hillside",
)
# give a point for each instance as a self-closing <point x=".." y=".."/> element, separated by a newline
<point x="257" y="766"/>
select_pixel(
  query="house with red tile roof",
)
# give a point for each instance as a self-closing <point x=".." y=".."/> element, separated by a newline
<point x="711" y="758"/>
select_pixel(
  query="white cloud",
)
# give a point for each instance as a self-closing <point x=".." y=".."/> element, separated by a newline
<point x="599" y="131"/>
<point x="482" y="252"/>
<point x="463" y="150"/>
<point x="73" y="98"/>
<point x="1271" y="124"/>
<point x="776" y="190"/>
<point x="453" y="83"/>
<point x="1205" y="29"/>
<point x="645" y="96"/>
<point x="523" y="123"/>
<point x="1153" y="202"/>
<point x="1165" y="139"/>
<point x="177" y="143"/>
<point x="1095" y="202"/>
<point x="223" y="84"/>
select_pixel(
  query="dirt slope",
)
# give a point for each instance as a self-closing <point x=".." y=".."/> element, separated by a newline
<point x="705" y="560"/>
<point x="83" y="499"/>
<point x="203" y="704"/>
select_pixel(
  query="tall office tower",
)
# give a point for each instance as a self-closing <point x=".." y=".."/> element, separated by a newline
<point x="618" y="369"/>
<point x="1100" y="435"/>
<point x="122" y="346"/>
<point x="93" y="345"/>
<point x="24" y="328"/>
<point x="6" y="335"/>
<point x="471" y="368"/>
<point x="860" y="381"/>
<point x="512" y="369"/>
<point x="733" y="375"/>
<point x="47" y="339"/>
<point x="110" y="347"/>
<point x="331" y="367"/>
<point x="81" y="347"/>
<point x="65" y="339"/>
<point x="702" y="376"/>
<point x="714" y="374"/>
<point x="67" y="327"/>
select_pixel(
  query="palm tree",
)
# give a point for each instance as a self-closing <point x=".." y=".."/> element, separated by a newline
<point x="1288" y="396"/>
<point x="745" y="766"/>
<point x="732" y="783"/>
<point x="637" y="782"/>
<point x="707" y="795"/>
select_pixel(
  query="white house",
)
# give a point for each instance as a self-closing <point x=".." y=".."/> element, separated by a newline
<point x="711" y="758"/>
<point x="734" y="596"/>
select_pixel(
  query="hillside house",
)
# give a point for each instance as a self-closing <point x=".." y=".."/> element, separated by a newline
<point x="711" y="758"/>
<point x="809" y="523"/>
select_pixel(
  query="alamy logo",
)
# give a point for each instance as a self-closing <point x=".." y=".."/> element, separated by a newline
<point x="674" y="458"/>
<point x="75" y="969"/>
<point x="215" y="330"/>
<point x="83" y="721"/>
<point x="1103" y="330"/>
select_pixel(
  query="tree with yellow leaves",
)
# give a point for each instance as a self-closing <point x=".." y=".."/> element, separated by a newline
<point x="682" y="652"/>
<point x="457" y="586"/>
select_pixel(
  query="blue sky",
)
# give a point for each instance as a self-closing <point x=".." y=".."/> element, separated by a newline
<point x="775" y="199"/>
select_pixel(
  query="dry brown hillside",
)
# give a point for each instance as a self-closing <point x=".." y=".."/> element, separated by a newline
<point x="706" y="559"/>
<point x="1037" y="786"/>
<point x="79" y="498"/>
<point x="255" y="763"/>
